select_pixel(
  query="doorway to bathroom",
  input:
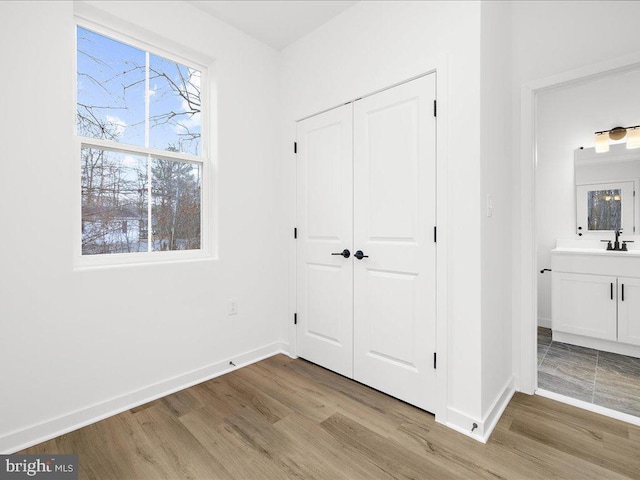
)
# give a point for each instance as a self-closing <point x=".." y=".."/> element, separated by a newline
<point x="586" y="243"/>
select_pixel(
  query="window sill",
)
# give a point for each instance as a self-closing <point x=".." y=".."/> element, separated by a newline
<point x="119" y="260"/>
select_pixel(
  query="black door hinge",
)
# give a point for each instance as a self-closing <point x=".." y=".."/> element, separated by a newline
<point x="295" y="233"/>
<point x="295" y="318"/>
<point x="295" y="147"/>
<point x="435" y="108"/>
<point x="435" y="234"/>
<point x="435" y="359"/>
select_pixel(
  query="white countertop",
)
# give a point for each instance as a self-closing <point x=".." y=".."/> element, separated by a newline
<point x="595" y="251"/>
<point x="594" y="246"/>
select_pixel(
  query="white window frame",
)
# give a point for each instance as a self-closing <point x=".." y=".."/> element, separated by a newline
<point x="81" y="261"/>
<point x="628" y="204"/>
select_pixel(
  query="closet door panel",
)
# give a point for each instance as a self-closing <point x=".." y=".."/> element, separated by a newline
<point x="325" y="227"/>
<point x="394" y="216"/>
<point x="392" y="170"/>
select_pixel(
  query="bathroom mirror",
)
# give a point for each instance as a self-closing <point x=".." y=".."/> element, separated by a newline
<point x="606" y="186"/>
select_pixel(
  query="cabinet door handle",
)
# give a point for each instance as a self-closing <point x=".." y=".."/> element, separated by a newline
<point x="623" y="292"/>
<point x="611" y="290"/>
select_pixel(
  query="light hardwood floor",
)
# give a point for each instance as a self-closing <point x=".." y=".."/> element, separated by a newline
<point x="284" y="418"/>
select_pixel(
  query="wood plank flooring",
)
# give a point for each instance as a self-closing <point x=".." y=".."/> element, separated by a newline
<point x="283" y="418"/>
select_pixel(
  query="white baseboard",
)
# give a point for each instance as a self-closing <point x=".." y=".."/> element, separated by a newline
<point x="607" y="412"/>
<point x="463" y="423"/>
<point x="35" y="434"/>
<point x="544" y="322"/>
<point x="286" y="349"/>
<point x="497" y="408"/>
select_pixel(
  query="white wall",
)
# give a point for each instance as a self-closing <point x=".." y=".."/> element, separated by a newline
<point x="70" y="340"/>
<point x="549" y="38"/>
<point x="56" y="320"/>
<point x="619" y="163"/>
<point x="567" y="117"/>
<point x="496" y="162"/>
<point x="374" y="45"/>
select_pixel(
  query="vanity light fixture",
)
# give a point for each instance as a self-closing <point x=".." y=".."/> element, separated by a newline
<point x="618" y="133"/>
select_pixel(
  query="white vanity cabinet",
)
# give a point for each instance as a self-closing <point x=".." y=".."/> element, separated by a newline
<point x="584" y="304"/>
<point x="629" y="310"/>
<point x="596" y="299"/>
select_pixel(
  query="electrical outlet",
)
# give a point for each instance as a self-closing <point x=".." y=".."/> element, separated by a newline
<point x="233" y="306"/>
<point x="489" y="206"/>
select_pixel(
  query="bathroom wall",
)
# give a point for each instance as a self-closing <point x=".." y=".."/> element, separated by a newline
<point x="567" y="118"/>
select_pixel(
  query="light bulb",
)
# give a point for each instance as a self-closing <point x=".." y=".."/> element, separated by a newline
<point x="633" y="138"/>
<point x="602" y="142"/>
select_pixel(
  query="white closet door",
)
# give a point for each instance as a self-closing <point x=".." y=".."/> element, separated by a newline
<point x="325" y="216"/>
<point x="394" y="217"/>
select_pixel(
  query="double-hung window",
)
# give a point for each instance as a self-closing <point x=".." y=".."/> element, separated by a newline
<point x="140" y="124"/>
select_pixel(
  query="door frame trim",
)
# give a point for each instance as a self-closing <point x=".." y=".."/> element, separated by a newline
<point x="525" y="258"/>
<point x="439" y="67"/>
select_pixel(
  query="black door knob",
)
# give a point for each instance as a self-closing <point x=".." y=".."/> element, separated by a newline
<point x="359" y="255"/>
<point x="345" y="253"/>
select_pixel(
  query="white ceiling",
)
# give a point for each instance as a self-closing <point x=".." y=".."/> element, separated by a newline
<point x="276" y="23"/>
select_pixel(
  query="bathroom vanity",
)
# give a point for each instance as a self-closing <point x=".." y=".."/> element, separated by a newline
<point x="595" y="278"/>
<point x="596" y="298"/>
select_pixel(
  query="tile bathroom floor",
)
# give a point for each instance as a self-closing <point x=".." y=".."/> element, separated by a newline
<point x="597" y="377"/>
